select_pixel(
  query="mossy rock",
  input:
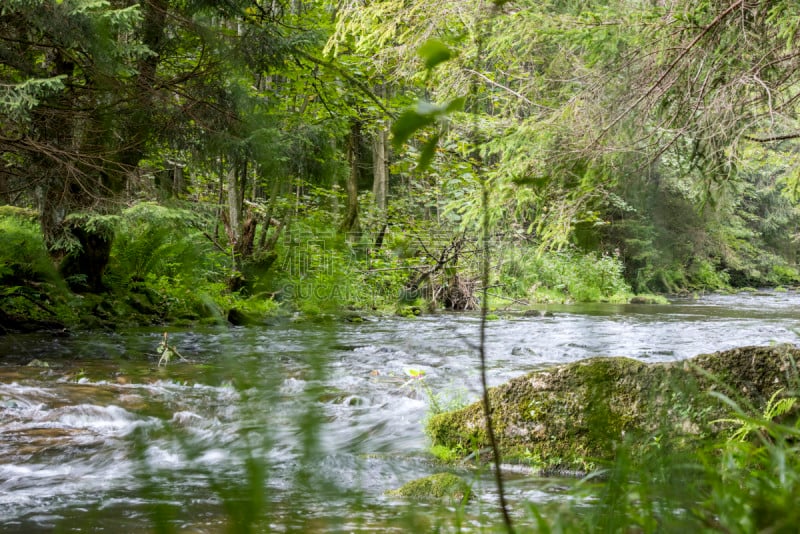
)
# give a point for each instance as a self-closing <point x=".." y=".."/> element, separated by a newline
<point x="352" y="317"/>
<point x="240" y="317"/>
<point x="142" y="304"/>
<point x="538" y="313"/>
<point x="439" y="487"/>
<point x="573" y="416"/>
<point x="409" y="311"/>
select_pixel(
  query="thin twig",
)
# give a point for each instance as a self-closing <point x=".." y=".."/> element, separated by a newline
<point x="507" y="89"/>
<point x="772" y="138"/>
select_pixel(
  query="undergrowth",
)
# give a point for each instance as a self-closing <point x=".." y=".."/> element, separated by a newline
<point x="30" y="286"/>
<point x="562" y="276"/>
<point x="172" y="264"/>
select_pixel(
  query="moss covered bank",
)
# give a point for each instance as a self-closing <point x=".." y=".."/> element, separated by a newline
<point x="573" y="416"/>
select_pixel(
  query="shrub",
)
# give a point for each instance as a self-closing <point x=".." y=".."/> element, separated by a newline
<point x="31" y="289"/>
<point x="162" y="249"/>
<point x="582" y="277"/>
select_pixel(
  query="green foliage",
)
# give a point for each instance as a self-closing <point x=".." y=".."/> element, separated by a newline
<point x="434" y="52"/>
<point x="777" y="406"/>
<point x="706" y="276"/>
<point x="23" y="256"/>
<point x="747" y="483"/>
<point x="446" y="454"/>
<point x="163" y="249"/>
<point x="743" y="479"/>
<point x="615" y="139"/>
<point x="153" y="241"/>
<point x="17" y="101"/>
<point x="316" y="268"/>
<point x="31" y="289"/>
<point x="424" y="114"/>
<point x="556" y="101"/>
<point x="566" y="275"/>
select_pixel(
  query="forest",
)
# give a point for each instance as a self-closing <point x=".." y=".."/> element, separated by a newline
<point x="339" y="174"/>
<point x="190" y="160"/>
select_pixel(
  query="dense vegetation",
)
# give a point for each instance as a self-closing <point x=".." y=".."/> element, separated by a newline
<point x="244" y="148"/>
<point x="204" y="160"/>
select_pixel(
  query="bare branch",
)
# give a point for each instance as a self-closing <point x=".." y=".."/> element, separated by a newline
<point x="772" y="138"/>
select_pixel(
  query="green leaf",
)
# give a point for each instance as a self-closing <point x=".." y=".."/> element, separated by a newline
<point x="427" y="153"/>
<point x="457" y="104"/>
<point x="434" y="52"/>
<point x="407" y="124"/>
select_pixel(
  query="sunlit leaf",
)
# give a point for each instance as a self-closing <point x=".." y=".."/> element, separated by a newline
<point x="434" y="52"/>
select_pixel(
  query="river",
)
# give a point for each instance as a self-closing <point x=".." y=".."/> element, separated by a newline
<point x="300" y="426"/>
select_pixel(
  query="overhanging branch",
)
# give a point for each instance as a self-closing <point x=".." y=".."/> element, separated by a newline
<point x="772" y="138"/>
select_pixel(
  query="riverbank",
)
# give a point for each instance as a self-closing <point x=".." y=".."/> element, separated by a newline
<point x="162" y="268"/>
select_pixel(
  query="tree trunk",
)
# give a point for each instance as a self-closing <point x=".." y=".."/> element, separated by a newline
<point x="234" y="228"/>
<point x="60" y="188"/>
<point x="5" y="195"/>
<point x="178" y="181"/>
<point x="380" y="169"/>
<point x="350" y="224"/>
<point x="139" y="123"/>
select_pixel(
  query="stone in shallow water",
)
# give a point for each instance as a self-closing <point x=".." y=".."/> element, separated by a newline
<point x="439" y="487"/>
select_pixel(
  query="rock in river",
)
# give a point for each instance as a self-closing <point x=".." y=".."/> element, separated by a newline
<point x="440" y="486"/>
<point x="572" y="416"/>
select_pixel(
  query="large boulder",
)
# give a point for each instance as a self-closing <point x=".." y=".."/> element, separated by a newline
<point x="573" y="416"/>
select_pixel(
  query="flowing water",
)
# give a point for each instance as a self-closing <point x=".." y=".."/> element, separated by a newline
<point x="301" y="425"/>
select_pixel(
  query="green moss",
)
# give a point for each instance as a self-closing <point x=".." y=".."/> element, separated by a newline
<point x="310" y="309"/>
<point x="409" y="311"/>
<point x="441" y="486"/>
<point x="571" y="416"/>
<point x="446" y="454"/>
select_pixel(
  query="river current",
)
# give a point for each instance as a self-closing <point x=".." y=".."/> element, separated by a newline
<point x="300" y="426"/>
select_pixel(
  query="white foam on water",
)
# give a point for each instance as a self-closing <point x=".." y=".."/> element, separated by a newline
<point x="106" y="420"/>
